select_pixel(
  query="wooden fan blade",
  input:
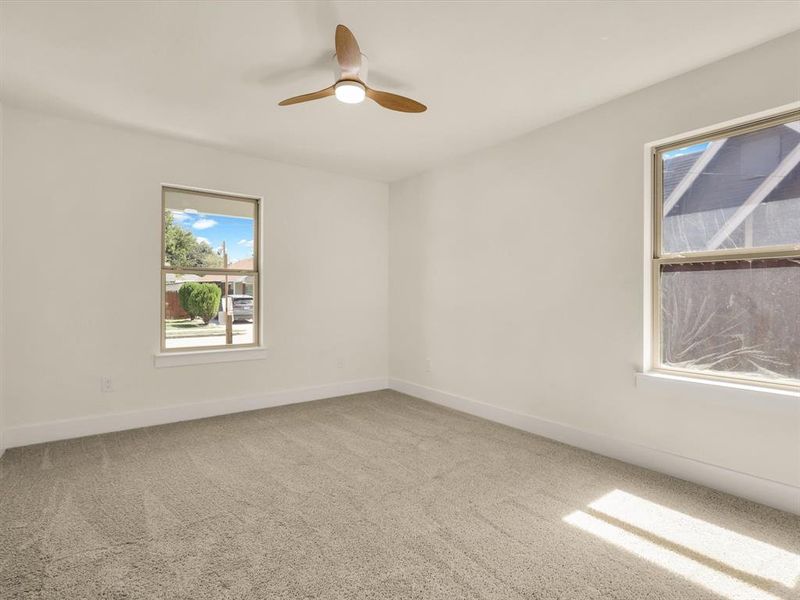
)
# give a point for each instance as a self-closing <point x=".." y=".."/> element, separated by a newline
<point x="395" y="102"/>
<point x="328" y="91"/>
<point x="347" y="52"/>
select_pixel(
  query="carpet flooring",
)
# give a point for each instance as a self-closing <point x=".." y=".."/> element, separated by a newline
<point x="378" y="496"/>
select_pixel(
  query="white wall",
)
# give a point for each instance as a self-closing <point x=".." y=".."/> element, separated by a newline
<point x="81" y="266"/>
<point x="516" y="275"/>
<point x="2" y="279"/>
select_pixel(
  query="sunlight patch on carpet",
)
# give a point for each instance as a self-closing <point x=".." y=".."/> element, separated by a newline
<point x="725" y="562"/>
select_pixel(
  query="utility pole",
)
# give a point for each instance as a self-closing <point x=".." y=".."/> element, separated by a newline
<point x="226" y="303"/>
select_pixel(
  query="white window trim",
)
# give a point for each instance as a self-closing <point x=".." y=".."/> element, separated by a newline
<point x="650" y="373"/>
<point x="204" y="357"/>
<point x="177" y="358"/>
<point x="666" y="381"/>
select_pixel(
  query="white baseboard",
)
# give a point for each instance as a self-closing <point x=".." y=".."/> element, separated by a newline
<point x="764" y="491"/>
<point x="73" y="428"/>
<point x="771" y="493"/>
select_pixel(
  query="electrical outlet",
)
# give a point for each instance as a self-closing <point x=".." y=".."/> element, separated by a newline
<point x="105" y="384"/>
<point x="428" y="367"/>
<point x="340" y="363"/>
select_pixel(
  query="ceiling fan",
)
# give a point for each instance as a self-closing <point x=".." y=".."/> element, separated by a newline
<point x="350" y="87"/>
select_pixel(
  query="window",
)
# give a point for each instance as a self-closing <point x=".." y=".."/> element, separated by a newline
<point x="209" y="270"/>
<point x="726" y="254"/>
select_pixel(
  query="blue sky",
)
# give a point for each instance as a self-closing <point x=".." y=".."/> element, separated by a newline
<point x="237" y="232"/>
<point x="687" y="150"/>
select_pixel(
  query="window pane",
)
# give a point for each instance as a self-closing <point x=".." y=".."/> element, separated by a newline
<point x="198" y="227"/>
<point x="738" y="192"/>
<point x="192" y="318"/>
<point x="737" y="318"/>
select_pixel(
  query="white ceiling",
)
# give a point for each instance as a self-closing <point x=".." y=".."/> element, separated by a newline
<point x="488" y="71"/>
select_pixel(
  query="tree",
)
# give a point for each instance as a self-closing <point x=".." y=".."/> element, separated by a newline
<point x="182" y="249"/>
<point x="204" y="300"/>
<point x="184" y="293"/>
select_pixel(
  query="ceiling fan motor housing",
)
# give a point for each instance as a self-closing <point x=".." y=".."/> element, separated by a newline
<point x="337" y="69"/>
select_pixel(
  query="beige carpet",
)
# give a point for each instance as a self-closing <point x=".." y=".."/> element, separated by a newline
<point x="375" y="495"/>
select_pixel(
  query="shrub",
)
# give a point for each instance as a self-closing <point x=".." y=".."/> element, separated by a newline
<point x="204" y="301"/>
<point x="184" y="292"/>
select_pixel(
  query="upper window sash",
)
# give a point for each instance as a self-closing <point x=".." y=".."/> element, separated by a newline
<point x="215" y="219"/>
<point x="719" y="194"/>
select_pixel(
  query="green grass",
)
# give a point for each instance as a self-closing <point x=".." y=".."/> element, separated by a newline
<point x="186" y="328"/>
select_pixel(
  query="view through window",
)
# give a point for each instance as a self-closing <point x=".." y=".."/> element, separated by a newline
<point x="726" y="254"/>
<point x="209" y="270"/>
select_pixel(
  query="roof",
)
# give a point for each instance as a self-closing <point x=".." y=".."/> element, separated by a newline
<point x="246" y="264"/>
<point x="739" y="166"/>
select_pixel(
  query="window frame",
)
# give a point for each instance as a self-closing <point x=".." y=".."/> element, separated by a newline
<point x="257" y="201"/>
<point x="657" y="258"/>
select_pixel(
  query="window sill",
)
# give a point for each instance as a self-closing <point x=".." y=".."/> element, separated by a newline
<point x="661" y="380"/>
<point x="204" y="357"/>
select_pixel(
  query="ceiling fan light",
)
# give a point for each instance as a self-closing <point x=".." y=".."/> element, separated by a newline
<point x="350" y="92"/>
